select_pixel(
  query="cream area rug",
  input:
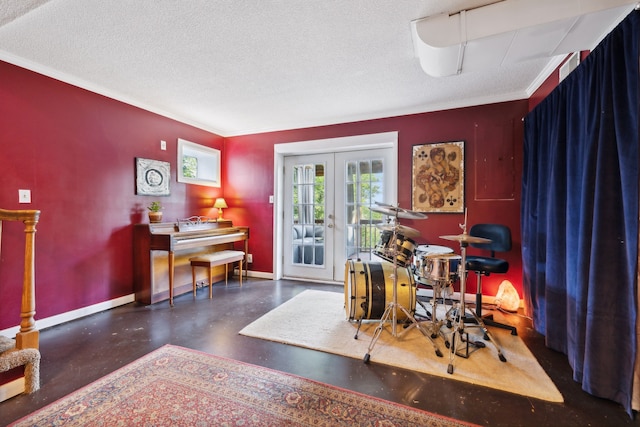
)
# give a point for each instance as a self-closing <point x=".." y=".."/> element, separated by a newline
<point x="318" y="320"/>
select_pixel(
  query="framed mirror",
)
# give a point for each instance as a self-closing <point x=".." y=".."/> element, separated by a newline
<point x="198" y="164"/>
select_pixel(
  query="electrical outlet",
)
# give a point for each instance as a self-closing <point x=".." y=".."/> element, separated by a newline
<point x="249" y="258"/>
<point x="163" y="145"/>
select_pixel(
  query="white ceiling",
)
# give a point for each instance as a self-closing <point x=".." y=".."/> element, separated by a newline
<point x="237" y="67"/>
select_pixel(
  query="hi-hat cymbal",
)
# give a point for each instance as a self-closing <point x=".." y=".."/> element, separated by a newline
<point x="400" y="229"/>
<point x="399" y="212"/>
<point x="465" y="238"/>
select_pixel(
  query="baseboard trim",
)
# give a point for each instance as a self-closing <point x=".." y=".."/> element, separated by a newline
<point x="12" y="388"/>
<point x="58" y="319"/>
<point x="257" y="274"/>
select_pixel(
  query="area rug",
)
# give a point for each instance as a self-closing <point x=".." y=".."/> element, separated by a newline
<point x="318" y="320"/>
<point x="175" y="386"/>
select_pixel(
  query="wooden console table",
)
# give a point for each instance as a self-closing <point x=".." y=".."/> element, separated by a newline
<point x="161" y="255"/>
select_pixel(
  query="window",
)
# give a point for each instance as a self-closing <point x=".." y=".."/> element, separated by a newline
<point x="198" y="164"/>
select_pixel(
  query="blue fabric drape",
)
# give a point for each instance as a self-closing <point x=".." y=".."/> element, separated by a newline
<point x="579" y="216"/>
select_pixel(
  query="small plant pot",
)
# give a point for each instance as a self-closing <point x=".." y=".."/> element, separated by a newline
<point x="155" y="217"/>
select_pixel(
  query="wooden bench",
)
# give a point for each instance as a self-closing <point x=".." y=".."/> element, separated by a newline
<point x="215" y="259"/>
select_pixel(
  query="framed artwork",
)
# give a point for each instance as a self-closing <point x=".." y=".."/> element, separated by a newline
<point x="438" y="177"/>
<point x="152" y="177"/>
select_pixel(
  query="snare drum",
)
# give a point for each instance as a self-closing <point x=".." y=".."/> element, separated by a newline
<point x="422" y="252"/>
<point x="440" y="267"/>
<point x="433" y="249"/>
<point x="368" y="289"/>
<point x="403" y="249"/>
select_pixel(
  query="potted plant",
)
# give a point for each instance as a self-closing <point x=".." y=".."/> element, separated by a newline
<point x="155" y="212"/>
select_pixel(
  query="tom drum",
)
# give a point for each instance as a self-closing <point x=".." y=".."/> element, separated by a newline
<point x="402" y="248"/>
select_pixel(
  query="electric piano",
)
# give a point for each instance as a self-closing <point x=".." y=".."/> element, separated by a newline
<point x="161" y="255"/>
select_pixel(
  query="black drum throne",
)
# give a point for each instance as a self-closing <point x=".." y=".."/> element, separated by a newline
<point x="500" y="237"/>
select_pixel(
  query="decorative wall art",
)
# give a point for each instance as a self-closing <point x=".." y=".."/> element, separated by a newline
<point x="152" y="177"/>
<point x="438" y="177"/>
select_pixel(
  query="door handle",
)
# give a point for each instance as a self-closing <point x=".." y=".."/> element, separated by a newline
<point x="330" y="225"/>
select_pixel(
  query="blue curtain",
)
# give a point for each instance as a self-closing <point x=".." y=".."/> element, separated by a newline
<point x="579" y="216"/>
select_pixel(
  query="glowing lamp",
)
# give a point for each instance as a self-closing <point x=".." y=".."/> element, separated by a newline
<point x="220" y="204"/>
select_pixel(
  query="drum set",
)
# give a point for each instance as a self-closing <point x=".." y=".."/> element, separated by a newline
<point x="386" y="290"/>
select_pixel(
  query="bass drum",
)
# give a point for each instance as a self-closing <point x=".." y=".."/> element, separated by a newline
<point x="368" y="289"/>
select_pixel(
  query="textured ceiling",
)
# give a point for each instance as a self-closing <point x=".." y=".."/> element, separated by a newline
<point x="248" y="66"/>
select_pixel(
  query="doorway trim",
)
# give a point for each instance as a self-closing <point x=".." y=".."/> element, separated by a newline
<point x="316" y="146"/>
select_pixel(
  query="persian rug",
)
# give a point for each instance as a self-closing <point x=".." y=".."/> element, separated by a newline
<point x="318" y="320"/>
<point x="175" y="386"/>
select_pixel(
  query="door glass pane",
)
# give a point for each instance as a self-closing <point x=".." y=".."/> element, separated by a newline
<point x="364" y="187"/>
<point x="308" y="214"/>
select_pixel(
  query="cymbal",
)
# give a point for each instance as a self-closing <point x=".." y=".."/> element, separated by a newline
<point x="400" y="229"/>
<point x="465" y="238"/>
<point x="399" y="212"/>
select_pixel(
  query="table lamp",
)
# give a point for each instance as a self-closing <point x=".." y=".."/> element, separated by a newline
<point x="220" y="204"/>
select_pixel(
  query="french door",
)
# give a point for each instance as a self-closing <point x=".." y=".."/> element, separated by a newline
<point x="327" y="215"/>
<point x="308" y="216"/>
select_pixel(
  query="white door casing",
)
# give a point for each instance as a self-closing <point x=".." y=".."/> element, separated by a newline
<point x="369" y="142"/>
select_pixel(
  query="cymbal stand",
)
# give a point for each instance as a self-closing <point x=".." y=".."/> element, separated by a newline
<point x="459" y="317"/>
<point x="439" y="288"/>
<point x="391" y="311"/>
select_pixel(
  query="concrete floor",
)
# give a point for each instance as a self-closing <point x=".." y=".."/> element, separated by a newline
<point x="79" y="352"/>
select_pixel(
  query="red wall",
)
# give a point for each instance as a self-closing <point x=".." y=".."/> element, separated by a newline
<point x="75" y="150"/>
<point x="489" y="132"/>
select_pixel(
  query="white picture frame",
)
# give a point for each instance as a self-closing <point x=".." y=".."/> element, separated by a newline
<point x="152" y="177"/>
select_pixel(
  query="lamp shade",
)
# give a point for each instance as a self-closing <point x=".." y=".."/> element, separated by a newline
<point x="220" y="203"/>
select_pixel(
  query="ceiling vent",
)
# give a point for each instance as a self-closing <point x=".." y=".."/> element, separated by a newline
<point x="511" y="31"/>
<point x="570" y="64"/>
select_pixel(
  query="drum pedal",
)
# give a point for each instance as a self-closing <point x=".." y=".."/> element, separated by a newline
<point x="469" y="347"/>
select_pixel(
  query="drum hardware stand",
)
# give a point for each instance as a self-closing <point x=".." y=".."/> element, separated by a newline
<point x="392" y="308"/>
<point x="429" y="315"/>
<point x="436" y="325"/>
<point x="441" y="287"/>
<point x="461" y="310"/>
<point x="364" y="304"/>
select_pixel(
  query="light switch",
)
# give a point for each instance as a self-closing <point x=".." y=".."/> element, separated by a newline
<point x="163" y="145"/>
<point x="24" y="196"/>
